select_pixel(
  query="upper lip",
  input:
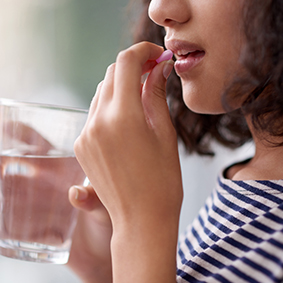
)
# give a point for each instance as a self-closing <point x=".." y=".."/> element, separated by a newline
<point x="181" y="48"/>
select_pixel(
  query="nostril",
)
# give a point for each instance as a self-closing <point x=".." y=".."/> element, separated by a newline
<point x="167" y="21"/>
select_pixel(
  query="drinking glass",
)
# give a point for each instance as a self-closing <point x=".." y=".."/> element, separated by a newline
<point x="38" y="166"/>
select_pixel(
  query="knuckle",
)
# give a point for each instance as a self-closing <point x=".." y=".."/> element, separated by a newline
<point x="159" y="92"/>
<point x="127" y="55"/>
<point x="100" y="130"/>
<point x="78" y="146"/>
<point x="95" y="130"/>
<point x="111" y="68"/>
<point x="91" y="131"/>
<point x="99" y="86"/>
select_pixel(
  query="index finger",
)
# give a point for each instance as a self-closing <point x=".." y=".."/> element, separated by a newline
<point x="130" y="66"/>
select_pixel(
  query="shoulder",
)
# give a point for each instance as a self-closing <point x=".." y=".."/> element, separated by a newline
<point x="255" y="170"/>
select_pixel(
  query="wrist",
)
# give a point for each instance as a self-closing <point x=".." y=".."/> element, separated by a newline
<point x="139" y="249"/>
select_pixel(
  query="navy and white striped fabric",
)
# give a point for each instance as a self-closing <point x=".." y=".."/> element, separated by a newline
<point x="237" y="236"/>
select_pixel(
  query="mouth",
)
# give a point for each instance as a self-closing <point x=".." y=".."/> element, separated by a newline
<point x="183" y="54"/>
<point x="188" y="55"/>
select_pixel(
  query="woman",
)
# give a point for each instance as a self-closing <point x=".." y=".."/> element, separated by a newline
<point x="229" y="60"/>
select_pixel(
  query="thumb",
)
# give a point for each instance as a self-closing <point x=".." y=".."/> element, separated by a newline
<point x="84" y="198"/>
<point x="154" y="95"/>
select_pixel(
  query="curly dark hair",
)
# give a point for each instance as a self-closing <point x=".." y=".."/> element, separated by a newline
<point x="262" y="58"/>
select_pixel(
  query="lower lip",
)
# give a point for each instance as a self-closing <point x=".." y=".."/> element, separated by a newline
<point x="186" y="64"/>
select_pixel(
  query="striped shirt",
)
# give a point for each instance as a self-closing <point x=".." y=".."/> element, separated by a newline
<point x="237" y="236"/>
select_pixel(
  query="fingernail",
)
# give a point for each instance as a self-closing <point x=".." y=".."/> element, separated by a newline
<point x="81" y="193"/>
<point x="167" y="69"/>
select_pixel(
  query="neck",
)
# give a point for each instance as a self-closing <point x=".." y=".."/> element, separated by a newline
<point x="267" y="162"/>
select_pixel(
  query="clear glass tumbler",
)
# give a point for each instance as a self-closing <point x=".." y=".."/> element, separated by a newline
<point x="38" y="166"/>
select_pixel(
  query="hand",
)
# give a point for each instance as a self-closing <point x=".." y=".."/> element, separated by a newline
<point x="128" y="149"/>
<point x="90" y="255"/>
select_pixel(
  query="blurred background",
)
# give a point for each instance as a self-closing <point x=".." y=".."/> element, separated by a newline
<point x="56" y="52"/>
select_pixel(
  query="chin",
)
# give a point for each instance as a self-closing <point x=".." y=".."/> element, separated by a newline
<point x="202" y="101"/>
<point x="202" y="110"/>
<point x="203" y="106"/>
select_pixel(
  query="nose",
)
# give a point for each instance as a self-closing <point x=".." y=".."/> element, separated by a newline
<point x="167" y="13"/>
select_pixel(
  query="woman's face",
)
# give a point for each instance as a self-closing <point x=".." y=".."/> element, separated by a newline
<point x="205" y="36"/>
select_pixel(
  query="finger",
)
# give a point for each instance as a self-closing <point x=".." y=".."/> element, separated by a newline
<point x="105" y="87"/>
<point x="130" y="66"/>
<point x="94" y="102"/>
<point x="154" y="96"/>
<point x="148" y="66"/>
<point x="83" y="198"/>
<point x="106" y="92"/>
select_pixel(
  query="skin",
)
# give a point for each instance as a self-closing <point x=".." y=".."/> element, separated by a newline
<point x="129" y="135"/>
<point x="132" y="190"/>
<point x="90" y="255"/>
<point x="214" y="27"/>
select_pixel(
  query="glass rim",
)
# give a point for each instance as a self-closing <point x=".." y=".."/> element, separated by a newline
<point x="17" y="103"/>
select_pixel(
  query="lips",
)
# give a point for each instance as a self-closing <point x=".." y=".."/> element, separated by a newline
<point x="188" y="55"/>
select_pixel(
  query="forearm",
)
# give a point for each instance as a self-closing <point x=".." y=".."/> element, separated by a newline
<point x="145" y="253"/>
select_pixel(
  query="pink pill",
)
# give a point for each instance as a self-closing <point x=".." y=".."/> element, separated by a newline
<point x="165" y="56"/>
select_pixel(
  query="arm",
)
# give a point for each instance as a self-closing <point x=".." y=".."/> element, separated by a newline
<point x="145" y="253"/>
<point x="128" y="149"/>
